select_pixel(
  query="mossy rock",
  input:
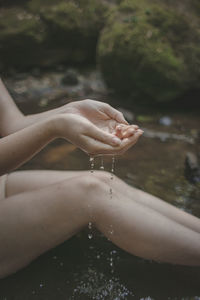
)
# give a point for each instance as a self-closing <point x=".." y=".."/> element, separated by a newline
<point x="21" y="37"/>
<point x="149" y="51"/>
<point x="50" y="32"/>
<point x="73" y="26"/>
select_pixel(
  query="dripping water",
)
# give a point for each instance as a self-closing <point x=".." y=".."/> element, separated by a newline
<point x="91" y="160"/>
<point x="102" y="164"/>
<point x="90" y="229"/>
<point x="112" y="175"/>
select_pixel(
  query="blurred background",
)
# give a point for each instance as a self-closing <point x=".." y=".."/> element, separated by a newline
<point x="147" y="51"/>
<point x="142" y="57"/>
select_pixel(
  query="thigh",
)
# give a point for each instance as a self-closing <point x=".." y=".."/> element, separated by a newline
<point x="33" y="222"/>
<point x="23" y="181"/>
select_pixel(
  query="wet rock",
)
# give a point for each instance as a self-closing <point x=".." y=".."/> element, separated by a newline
<point x="58" y="153"/>
<point x="47" y="87"/>
<point x="166" y="121"/>
<point x="192" y="168"/>
<point x="70" y="78"/>
<point x="164" y="136"/>
<point x="36" y="72"/>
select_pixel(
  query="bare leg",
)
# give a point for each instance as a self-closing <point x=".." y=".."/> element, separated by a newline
<point x="29" y="180"/>
<point x="33" y="222"/>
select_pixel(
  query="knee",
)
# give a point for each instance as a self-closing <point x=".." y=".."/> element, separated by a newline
<point x="85" y="183"/>
<point x="92" y="182"/>
<point x="105" y="177"/>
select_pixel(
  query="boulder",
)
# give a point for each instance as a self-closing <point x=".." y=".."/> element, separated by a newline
<point x="21" y="37"/>
<point x="151" y="49"/>
<point x="50" y="32"/>
<point x="70" y="77"/>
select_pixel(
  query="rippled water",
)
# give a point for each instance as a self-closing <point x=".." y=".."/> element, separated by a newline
<point x="81" y="268"/>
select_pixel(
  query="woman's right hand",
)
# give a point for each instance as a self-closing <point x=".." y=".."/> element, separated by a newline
<point x="90" y="138"/>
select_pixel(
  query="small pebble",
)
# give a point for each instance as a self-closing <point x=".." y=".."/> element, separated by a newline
<point x="166" y="121"/>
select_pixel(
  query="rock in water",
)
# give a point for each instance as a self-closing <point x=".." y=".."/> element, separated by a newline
<point x="192" y="168"/>
<point x="166" y="121"/>
<point x="70" y="78"/>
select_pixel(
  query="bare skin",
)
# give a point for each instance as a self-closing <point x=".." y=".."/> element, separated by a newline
<point x="51" y="209"/>
<point x="44" y="208"/>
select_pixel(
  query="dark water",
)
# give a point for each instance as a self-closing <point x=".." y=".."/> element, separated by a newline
<point x="80" y="268"/>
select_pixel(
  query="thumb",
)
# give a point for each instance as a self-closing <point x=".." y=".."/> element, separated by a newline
<point x="103" y="136"/>
<point x="115" y="114"/>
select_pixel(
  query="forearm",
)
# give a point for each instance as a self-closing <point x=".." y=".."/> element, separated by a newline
<point x="34" y="118"/>
<point x="19" y="147"/>
<point x="12" y="119"/>
<point x="10" y="115"/>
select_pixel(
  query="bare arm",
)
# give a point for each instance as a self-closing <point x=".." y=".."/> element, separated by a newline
<point x="83" y="125"/>
<point x="12" y="119"/>
<point x="17" y="148"/>
<point x="10" y="115"/>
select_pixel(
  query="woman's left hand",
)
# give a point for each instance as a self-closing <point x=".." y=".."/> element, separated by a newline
<point x="101" y="114"/>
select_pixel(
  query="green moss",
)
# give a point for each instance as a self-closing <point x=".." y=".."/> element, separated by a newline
<point x="51" y="32"/>
<point x="141" y="54"/>
<point x="72" y="25"/>
<point x="18" y="21"/>
<point x="21" y="36"/>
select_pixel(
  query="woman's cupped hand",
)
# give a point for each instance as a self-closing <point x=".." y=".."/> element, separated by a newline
<point x="96" y="128"/>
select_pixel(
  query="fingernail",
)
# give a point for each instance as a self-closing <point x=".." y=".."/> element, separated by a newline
<point x="116" y="141"/>
<point x="119" y="127"/>
<point x="140" y="131"/>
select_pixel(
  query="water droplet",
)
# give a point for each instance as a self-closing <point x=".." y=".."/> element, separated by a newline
<point x="90" y="236"/>
<point x="102" y="164"/>
<point x="112" y="174"/>
<point x="110" y="192"/>
<point x="91" y="160"/>
<point x="90" y="225"/>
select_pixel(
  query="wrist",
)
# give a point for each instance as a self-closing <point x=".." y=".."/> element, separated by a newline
<point x="57" y="126"/>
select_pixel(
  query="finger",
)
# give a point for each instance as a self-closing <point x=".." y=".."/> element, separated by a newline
<point x="119" y="132"/>
<point x="103" y="136"/>
<point x="123" y="127"/>
<point x="123" y="131"/>
<point x="129" y="132"/>
<point x="131" y="141"/>
<point x="98" y="147"/>
<point x="95" y="147"/>
<point x="114" y="114"/>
